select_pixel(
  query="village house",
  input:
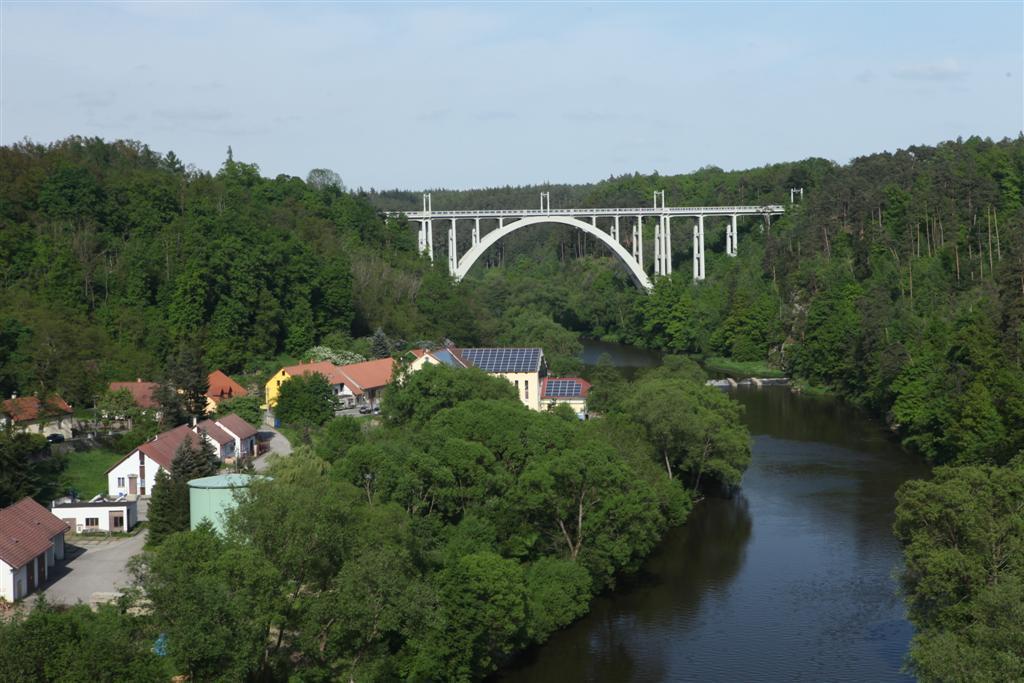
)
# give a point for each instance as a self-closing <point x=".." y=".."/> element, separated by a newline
<point x="100" y="514"/>
<point x="135" y="473"/>
<point x="143" y="393"/>
<point x="221" y="388"/>
<point x="523" y="367"/>
<point x="29" y="414"/>
<point x="31" y="541"/>
<point x="231" y="436"/>
<point x="352" y="385"/>
<point x="570" y="391"/>
<point x="329" y="370"/>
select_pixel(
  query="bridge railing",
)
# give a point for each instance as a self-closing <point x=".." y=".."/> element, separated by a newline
<point x="636" y="211"/>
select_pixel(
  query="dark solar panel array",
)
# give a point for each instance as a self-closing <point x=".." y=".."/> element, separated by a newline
<point x="504" y="360"/>
<point x="562" y="388"/>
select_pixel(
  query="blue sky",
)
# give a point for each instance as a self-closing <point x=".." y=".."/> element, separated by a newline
<point x="465" y="95"/>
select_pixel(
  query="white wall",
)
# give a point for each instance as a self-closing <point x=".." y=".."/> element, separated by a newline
<point x="130" y="465"/>
<point x="7" y="575"/>
<point x="79" y="514"/>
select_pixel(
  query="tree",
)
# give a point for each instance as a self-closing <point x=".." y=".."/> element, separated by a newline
<point x="380" y="345"/>
<point x="695" y="429"/>
<point x="20" y="474"/>
<point x="436" y="387"/>
<point x="963" y="538"/>
<point x="60" y="645"/>
<point x="169" y="510"/>
<point x="323" y="179"/>
<point x="306" y="401"/>
<point x="118" y="405"/>
<point x="189" y="573"/>
<point x="246" y="407"/>
<point x="482" y="605"/>
<point x="188" y="375"/>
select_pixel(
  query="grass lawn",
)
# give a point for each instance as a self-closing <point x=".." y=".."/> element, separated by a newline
<point x="743" y="368"/>
<point x="87" y="471"/>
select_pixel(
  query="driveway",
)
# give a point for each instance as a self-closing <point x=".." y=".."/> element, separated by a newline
<point x="92" y="565"/>
<point x="278" y="444"/>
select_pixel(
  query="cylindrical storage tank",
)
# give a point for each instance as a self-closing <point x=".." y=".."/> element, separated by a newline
<point x="210" y="498"/>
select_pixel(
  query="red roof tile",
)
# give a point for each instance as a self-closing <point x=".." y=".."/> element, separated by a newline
<point x="371" y="374"/>
<point x="237" y="426"/>
<point x="26" y="531"/>
<point x="214" y="431"/>
<point x="222" y="386"/>
<point x="28" y="408"/>
<point x="162" y="447"/>
<point x="141" y="391"/>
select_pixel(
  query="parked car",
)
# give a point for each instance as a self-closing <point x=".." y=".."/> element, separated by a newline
<point x="364" y="410"/>
<point x="55" y="438"/>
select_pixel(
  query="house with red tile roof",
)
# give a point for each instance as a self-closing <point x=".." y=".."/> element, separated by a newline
<point x="221" y="388"/>
<point x="142" y="392"/>
<point x="30" y="414"/>
<point x="230" y="436"/>
<point x="135" y="473"/>
<point x="31" y="541"/>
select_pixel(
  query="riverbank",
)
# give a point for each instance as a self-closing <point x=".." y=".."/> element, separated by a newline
<point x="792" y="579"/>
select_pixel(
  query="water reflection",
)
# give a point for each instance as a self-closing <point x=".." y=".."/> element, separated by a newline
<point x="791" y="580"/>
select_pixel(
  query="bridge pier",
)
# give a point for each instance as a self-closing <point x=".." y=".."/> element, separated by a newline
<point x="698" y="249"/>
<point x="731" y="237"/>
<point x="476" y="231"/>
<point x="615" y="229"/>
<point x="453" y="250"/>
<point x="638" y="242"/>
<point x="667" y="247"/>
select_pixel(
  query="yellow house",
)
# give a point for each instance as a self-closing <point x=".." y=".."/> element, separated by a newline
<point x="325" y="368"/>
<point x="523" y="367"/>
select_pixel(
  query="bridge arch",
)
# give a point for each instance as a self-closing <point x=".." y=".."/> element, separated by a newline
<point x="636" y="273"/>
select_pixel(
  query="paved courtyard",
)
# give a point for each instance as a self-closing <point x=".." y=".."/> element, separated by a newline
<point x="92" y="565"/>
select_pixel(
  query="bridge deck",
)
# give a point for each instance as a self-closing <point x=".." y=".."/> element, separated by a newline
<point x="646" y="211"/>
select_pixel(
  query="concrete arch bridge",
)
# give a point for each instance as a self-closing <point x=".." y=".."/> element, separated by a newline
<point x="604" y="224"/>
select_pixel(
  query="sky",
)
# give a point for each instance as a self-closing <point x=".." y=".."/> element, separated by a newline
<point x="459" y="95"/>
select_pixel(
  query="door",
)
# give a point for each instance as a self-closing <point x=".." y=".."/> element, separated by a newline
<point x="133" y="484"/>
<point x="116" y="522"/>
<point x="41" y="568"/>
<point x="30" y="570"/>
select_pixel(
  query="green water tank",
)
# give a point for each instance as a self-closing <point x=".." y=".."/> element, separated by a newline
<point x="210" y="497"/>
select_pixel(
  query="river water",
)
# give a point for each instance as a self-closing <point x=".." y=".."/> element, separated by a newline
<point x="791" y="580"/>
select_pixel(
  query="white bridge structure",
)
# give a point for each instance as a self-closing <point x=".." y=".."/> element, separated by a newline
<point x="612" y="222"/>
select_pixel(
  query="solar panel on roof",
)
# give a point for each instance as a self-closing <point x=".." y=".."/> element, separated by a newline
<point x="504" y="359"/>
<point x="562" y="388"/>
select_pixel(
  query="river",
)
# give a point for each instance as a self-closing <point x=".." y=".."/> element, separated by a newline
<point x="791" y="580"/>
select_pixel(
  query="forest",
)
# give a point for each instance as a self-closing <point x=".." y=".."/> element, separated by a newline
<point x="897" y="284"/>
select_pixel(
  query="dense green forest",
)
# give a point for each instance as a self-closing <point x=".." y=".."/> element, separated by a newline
<point x="898" y="283"/>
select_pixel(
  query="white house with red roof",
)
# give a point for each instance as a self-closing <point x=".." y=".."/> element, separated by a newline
<point x="28" y="413"/>
<point x="230" y="436"/>
<point x="570" y="391"/>
<point x="135" y="473"/>
<point x="31" y="541"/>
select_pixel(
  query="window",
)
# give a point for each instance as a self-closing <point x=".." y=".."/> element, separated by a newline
<point x="526" y="386"/>
<point x="92" y="522"/>
<point x="120" y="482"/>
<point x="118" y="522"/>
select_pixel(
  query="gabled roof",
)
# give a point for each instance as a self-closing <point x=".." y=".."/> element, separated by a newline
<point x="222" y="386"/>
<point x="162" y="447"/>
<point x="26" y="531"/>
<point x="504" y="359"/>
<point x="141" y="391"/>
<point x="449" y="357"/>
<point x="28" y="408"/>
<point x="371" y="374"/>
<point x="564" y="387"/>
<point x="214" y="431"/>
<point x="237" y="426"/>
<point x="326" y="368"/>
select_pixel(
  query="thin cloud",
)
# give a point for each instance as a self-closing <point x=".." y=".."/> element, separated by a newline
<point x="946" y="70"/>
